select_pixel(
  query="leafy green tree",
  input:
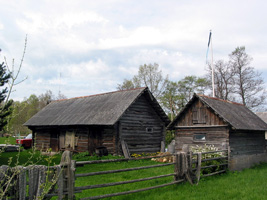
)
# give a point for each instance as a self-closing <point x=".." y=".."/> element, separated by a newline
<point x="177" y="94"/>
<point x="126" y="85"/>
<point x="23" y="111"/>
<point x="149" y="76"/>
<point x="5" y="105"/>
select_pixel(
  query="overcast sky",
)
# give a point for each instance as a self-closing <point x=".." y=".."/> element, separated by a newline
<point x="89" y="47"/>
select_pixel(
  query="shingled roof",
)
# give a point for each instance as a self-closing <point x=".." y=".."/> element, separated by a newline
<point x="236" y="115"/>
<point x="100" y="109"/>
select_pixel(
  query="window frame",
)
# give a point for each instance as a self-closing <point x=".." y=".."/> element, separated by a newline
<point x="199" y="134"/>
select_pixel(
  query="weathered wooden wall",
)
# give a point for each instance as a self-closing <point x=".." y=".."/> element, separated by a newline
<point x="217" y="136"/>
<point x="247" y="142"/>
<point x="206" y="117"/>
<point x="135" y="124"/>
<point x="199" y="119"/>
<point x="140" y="127"/>
<point x="42" y="139"/>
<point x="109" y="140"/>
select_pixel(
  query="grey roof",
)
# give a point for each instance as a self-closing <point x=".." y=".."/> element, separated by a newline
<point x="100" y="109"/>
<point x="262" y="115"/>
<point x="235" y="114"/>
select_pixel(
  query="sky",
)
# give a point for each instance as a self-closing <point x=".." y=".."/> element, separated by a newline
<point x="88" y="47"/>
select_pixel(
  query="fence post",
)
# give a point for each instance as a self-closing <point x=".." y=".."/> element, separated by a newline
<point x="176" y="167"/>
<point x="68" y="173"/>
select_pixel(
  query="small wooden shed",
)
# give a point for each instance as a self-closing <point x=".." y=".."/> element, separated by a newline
<point x="213" y="121"/>
<point x="104" y="120"/>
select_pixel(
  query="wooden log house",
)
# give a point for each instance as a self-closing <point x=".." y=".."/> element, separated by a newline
<point x="132" y="117"/>
<point x="213" y="121"/>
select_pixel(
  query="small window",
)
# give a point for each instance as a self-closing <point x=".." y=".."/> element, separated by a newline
<point x="200" y="137"/>
<point x="149" y="130"/>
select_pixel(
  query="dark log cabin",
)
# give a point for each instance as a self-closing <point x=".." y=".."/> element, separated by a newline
<point x="212" y="121"/>
<point x="102" y="120"/>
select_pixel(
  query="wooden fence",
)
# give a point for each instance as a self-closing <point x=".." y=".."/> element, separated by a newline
<point x="186" y="167"/>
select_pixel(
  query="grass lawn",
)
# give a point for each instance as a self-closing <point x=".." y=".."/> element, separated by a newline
<point x="26" y="157"/>
<point x="247" y="184"/>
<point x="7" y="140"/>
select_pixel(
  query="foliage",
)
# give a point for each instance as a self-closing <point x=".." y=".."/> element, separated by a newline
<point x="23" y="111"/>
<point x="169" y="137"/>
<point x="208" y="148"/>
<point x="5" y="105"/>
<point x="177" y="94"/>
<point x="149" y="76"/>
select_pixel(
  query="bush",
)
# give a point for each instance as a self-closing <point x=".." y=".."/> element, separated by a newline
<point x="209" y="148"/>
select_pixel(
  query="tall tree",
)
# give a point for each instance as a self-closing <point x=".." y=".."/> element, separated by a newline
<point x="249" y="83"/>
<point x="224" y="82"/>
<point x="4" y="105"/>
<point x="23" y="111"/>
<point x="149" y="76"/>
<point x="177" y="94"/>
<point x="170" y="99"/>
<point x="126" y="85"/>
<point x="236" y="80"/>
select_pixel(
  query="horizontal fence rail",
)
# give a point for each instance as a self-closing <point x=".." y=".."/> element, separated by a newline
<point x="122" y="170"/>
<point x="177" y="179"/>
<point x="186" y="167"/>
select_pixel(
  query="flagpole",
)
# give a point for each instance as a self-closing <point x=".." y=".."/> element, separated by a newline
<point x="212" y="68"/>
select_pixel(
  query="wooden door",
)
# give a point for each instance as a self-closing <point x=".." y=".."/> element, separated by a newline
<point x="94" y="141"/>
<point x="54" y="141"/>
<point x="70" y="140"/>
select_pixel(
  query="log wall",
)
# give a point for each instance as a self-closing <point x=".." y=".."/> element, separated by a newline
<point x="141" y="128"/>
<point x="217" y="136"/>
<point x="247" y="142"/>
<point x="207" y="116"/>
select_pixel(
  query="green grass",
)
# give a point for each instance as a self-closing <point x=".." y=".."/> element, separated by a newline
<point x="7" y="140"/>
<point x="27" y="157"/>
<point x="247" y="184"/>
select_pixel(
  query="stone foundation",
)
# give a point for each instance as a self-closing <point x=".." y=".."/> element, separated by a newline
<point x="246" y="161"/>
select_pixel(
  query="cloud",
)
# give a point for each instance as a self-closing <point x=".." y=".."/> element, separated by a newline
<point x="96" y="44"/>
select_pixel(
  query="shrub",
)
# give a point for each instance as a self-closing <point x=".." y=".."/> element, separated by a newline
<point x="208" y="148"/>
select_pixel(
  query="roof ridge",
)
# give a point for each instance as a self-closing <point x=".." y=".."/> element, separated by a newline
<point x="117" y="91"/>
<point x="215" y="98"/>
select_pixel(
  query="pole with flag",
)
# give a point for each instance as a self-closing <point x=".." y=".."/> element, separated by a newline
<point x="212" y="67"/>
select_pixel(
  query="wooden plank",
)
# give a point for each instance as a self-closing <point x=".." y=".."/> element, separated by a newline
<point x="125" y="149"/>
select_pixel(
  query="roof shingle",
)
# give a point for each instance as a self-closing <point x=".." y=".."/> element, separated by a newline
<point x="101" y="109"/>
